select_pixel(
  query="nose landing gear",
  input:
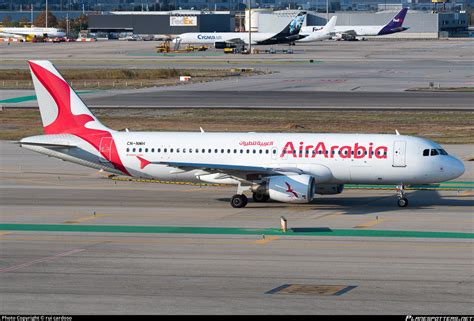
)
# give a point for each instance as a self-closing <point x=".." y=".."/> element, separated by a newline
<point x="402" y="200"/>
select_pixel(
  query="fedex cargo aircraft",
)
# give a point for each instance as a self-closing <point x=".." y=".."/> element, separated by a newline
<point x="285" y="167"/>
<point x="351" y="32"/>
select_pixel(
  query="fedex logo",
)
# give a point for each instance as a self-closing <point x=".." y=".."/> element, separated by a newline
<point x="355" y="151"/>
<point x="317" y="28"/>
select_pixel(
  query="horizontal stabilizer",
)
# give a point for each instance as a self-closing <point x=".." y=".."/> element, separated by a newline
<point x="45" y="144"/>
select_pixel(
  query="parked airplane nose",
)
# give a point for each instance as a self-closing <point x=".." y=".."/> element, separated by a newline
<point x="456" y="168"/>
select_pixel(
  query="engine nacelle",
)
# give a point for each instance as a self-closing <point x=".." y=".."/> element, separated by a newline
<point x="291" y="189"/>
<point x="224" y="45"/>
<point x="328" y="189"/>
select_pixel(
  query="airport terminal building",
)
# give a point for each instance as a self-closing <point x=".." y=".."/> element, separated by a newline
<point x="422" y="24"/>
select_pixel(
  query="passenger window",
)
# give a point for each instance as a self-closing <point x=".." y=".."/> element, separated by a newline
<point x="260" y="151"/>
<point x="434" y="152"/>
<point x="222" y="151"/>
<point x="228" y="151"/>
<point x="203" y="150"/>
<point x="171" y="150"/>
<point x="266" y="151"/>
<point x="216" y="150"/>
<point x="254" y="151"/>
<point x="235" y="151"/>
<point x="274" y="151"/>
<point x="209" y="150"/>
<point x="139" y="150"/>
<point x="159" y="150"/>
<point x="152" y="150"/>
<point x="128" y="149"/>
<point x="184" y="150"/>
<point x="241" y="151"/>
<point x="248" y="151"/>
<point x="134" y="150"/>
<point x="196" y="150"/>
<point x="426" y="152"/>
<point x="177" y="150"/>
<point x="146" y="150"/>
<point x="165" y="150"/>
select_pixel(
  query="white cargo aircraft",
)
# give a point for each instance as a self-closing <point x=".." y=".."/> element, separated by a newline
<point x="29" y="33"/>
<point x="285" y="167"/>
<point x="319" y="33"/>
<point x="219" y="39"/>
<point x="352" y="32"/>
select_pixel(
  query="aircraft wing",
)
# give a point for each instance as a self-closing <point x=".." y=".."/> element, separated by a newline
<point x="239" y="172"/>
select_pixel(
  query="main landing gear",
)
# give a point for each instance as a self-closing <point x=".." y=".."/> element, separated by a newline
<point x="239" y="201"/>
<point x="402" y="200"/>
<point x="260" y="198"/>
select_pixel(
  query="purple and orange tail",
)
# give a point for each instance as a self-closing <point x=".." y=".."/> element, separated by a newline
<point x="395" y="25"/>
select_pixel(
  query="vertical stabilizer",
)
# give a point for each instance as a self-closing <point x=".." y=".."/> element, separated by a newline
<point x="62" y="111"/>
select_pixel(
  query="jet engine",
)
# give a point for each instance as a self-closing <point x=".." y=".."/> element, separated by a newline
<point x="288" y="189"/>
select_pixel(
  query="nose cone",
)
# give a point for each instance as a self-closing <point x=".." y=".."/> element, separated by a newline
<point x="456" y="168"/>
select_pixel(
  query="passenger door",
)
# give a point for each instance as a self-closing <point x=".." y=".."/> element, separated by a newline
<point x="399" y="153"/>
<point x="105" y="149"/>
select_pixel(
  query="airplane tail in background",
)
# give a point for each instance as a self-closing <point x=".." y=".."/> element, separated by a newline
<point x="62" y="111"/>
<point x="294" y="27"/>
<point x="330" y="25"/>
<point x="395" y="25"/>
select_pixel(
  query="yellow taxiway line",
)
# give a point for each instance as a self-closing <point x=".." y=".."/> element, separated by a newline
<point x="86" y="218"/>
<point x="370" y="223"/>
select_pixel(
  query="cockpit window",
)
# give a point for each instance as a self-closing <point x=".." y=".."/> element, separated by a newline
<point x="426" y="152"/>
<point x="442" y="152"/>
<point x="434" y="152"/>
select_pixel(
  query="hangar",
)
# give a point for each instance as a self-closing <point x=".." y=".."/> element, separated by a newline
<point x="422" y="24"/>
<point x="162" y="22"/>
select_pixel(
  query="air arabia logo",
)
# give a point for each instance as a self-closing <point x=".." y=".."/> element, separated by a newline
<point x="346" y="151"/>
<point x="290" y="190"/>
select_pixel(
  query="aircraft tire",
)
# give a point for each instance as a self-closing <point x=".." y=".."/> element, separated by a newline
<point x="238" y="201"/>
<point x="402" y="202"/>
<point x="260" y="198"/>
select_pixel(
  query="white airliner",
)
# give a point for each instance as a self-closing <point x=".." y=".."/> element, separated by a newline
<point x="28" y="33"/>
<point x="352" y="32"/>
<point x="319" y="33"/>
<point x="288" y="35"/>
<point x="285" y="167"/>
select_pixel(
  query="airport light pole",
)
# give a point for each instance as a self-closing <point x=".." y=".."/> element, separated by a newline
<point x="250" y="26"/>
<point x="327" y="10"/>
